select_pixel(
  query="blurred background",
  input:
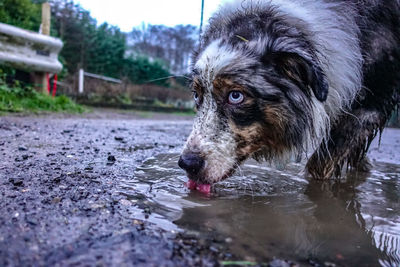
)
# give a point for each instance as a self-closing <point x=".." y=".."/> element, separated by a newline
<point x="124" y="54"/>
<point x="119" y="54"/>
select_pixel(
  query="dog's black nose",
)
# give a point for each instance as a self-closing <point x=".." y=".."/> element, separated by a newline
<point x="191" y="162"/>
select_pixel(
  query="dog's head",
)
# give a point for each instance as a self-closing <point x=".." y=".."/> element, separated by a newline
<point x="254" y="98"/>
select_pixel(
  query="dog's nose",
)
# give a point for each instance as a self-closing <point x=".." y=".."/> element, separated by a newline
<point x="191" y="162"/>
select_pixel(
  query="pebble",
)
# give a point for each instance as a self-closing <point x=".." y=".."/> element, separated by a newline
<point x="31" y="220"/>
<point x="56" y="200"/>
<point x="111" y="158"/>
<point x="125" y="202"/>
<point x="16" y="181"/>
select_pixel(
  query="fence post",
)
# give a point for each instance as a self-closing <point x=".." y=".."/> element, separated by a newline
<point x="81" y="80"/>
<point x="46" y="16"/>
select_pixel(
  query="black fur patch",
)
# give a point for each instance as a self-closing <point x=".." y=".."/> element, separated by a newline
<point x="304" y="74"/>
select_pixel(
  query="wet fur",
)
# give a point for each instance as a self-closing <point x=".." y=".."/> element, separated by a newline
<point x="319" y="77"/>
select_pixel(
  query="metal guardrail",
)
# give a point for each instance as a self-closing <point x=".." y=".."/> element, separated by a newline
<point x="28" y="50"/>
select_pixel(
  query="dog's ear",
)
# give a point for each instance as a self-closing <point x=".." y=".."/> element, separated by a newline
<point x="300" y="71"/>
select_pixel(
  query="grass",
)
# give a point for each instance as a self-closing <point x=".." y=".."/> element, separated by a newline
<point x="25" y="99"/>
<point x="185" y="113"/>
<point x="144" y="114"/>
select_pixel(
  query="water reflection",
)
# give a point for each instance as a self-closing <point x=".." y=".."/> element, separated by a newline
<point x="265" y="213"/>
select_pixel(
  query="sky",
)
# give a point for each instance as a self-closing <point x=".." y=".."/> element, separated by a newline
<point x="127" y="14"/>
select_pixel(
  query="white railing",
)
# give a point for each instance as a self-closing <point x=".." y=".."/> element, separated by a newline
<point x="28" y="50"/>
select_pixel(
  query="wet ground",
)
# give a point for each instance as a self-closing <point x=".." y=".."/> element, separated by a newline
<point x="104" y="189"/>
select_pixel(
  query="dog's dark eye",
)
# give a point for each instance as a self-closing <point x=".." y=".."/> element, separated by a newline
<point x="235" y="97"/>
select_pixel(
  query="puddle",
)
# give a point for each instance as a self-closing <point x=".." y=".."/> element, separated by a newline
<point x="264" y="213"/>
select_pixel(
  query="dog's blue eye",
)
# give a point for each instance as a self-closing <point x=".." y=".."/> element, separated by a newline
<point x="195" y="96"/>
<point x="236" y="97"/>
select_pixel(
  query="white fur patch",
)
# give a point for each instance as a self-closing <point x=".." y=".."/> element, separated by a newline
<point x="214" y="59"/>
<point x="216" y="144"/>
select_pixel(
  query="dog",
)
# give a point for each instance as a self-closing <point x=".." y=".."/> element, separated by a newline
<point x="278" y="79"/>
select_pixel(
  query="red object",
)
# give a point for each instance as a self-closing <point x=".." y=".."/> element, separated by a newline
<point x="191" y="185"/>
<point x="55" y="85"/>
<point x="202" y="188"/>
<point x="48" y="83"/>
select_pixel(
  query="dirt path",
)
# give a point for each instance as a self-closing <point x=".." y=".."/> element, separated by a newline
<point x="58" y="196"/>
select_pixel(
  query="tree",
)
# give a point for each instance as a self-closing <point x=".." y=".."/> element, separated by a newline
<point x="141" y="70"/>
<point x="96" y="49"/>
<point x="172" y="45"/>
<point x="20" y="13"/>
<point x="107" y="51"/>
<point x="103" y="49"/>
<point x="76" y="28"/>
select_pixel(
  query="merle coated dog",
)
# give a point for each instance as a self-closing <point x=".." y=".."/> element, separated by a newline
<point x="277" y="78"/>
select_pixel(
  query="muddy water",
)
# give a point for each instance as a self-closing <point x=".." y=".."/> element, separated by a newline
<point x="263" y="213"/>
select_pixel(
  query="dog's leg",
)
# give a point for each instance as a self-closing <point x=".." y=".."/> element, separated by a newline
<point x="354" y="131"/>
<point x="348" y="144"/>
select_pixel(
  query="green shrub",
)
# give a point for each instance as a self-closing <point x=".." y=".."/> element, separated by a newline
<point x="21" y="13"/>
<point x="19" y="99"/>
<point x="141" y="70"/>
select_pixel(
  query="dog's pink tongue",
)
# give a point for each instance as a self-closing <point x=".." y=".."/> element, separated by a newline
<point x="191" y="185"/>
<point x="202" y="188"/>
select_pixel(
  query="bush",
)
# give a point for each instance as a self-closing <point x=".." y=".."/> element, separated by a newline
<point x="18" y="99"/>
<point x="141" y="70"/>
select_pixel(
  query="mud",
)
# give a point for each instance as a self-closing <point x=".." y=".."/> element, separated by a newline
<point x="58" y="197"/>
<point x="103" y="189"/>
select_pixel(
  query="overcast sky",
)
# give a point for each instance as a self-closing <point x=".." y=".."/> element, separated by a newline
<point x="127" y="14"/>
